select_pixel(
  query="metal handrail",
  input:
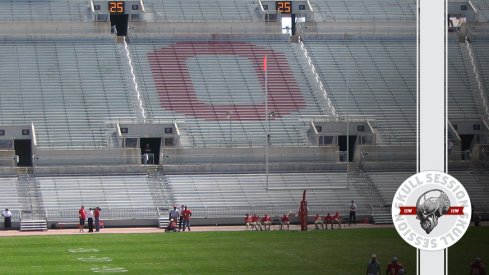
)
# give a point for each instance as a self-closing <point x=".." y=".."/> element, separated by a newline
<point x="106" y="213"/>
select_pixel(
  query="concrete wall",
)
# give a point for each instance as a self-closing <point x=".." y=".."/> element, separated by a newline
<point x="249" y="155"/>
<point x="254" y="168"/>
<point x="385" y="153"/>
<point x="123" y="156"/>
<point x="7" y="158"/>
<point x="103" y="170"/>
<point x="386" y="157"/>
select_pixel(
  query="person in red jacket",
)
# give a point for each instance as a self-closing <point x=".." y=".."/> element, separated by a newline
<point x="477" y="267"/>
<point x="394" y="268"/>
<point x="248" y="222"/>
<point x="266" y="221"/>
<point x="256" y="222"/>
<point x="337" y="220"/>
<point x="81" y="215"/>
<point x="172" y="226"/>
<point x="328" y="220"/>
<point x="284" y="221"/>
<point x="186" y="218"/>
<point x="318" y="222"/>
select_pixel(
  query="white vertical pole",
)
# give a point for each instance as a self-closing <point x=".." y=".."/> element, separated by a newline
<point x="347" y="118"/>
<point x="432" y="121"/>
<point x="230" y="131"/>
<point x="266" y="119"/>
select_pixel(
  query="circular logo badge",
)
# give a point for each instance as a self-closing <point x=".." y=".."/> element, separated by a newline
<point x="431" y="210"/>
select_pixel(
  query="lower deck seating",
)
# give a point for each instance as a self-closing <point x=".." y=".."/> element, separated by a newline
<point x="70" y="192"/>
<point x="9" y="197"/>
<point x="238" y="194"/>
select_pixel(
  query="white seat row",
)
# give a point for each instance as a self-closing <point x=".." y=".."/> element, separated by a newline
<point x="66" y="89"/>
<point x="231" y="80"/>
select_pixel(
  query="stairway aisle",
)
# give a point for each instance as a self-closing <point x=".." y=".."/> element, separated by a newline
<point x="33" y="215"/>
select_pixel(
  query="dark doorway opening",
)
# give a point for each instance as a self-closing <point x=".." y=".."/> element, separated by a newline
<point x="150" y="150"/>
<point x="344" y="147"/>
<point x="23" y="149"/>
<point x="119" y="23"/>
<point x="466" y="145"/>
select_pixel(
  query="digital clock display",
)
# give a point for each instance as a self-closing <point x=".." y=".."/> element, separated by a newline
<point x="284" y="6"/>
<point x="116" y="7"/>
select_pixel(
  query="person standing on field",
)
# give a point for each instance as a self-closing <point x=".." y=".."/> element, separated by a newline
<point x="186" y="214"/>
<point x="90" y="220"/>
<point x="7" y="215"/>
<point x="174" y="214"/>
<point x="353" y="212"/>
<point x="96" y="215"/>
<point x="477" y="267"/>
<point x="81" y="215"/>
<point x="373" y="267"/>
<point x="180" y="222"/>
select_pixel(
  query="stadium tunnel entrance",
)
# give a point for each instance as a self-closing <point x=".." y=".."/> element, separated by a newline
<point x="342" y="143"/>
<point x="150" y="150"/>
<point x="466" y="145"/>
<point x="23" y="150"/>
<point x="119" y="23"/>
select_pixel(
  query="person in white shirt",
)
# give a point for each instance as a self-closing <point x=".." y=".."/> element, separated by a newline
<point x="353" y="210"/>
<point x="90" y="219"/>
<point x="8" y="218"/>
<point x="174" y="214"/>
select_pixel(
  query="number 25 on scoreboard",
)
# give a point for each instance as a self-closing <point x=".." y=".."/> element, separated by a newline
<point x="116" y="6"/>
<point x="283" y="7"/>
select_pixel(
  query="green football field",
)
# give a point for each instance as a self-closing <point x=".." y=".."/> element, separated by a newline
<point x="275" y="252"/>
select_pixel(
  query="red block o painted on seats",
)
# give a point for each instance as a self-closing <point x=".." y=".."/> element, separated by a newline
<point x="176" y="92"/>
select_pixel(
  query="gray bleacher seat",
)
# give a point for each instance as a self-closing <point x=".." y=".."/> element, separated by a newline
<point x="69" y="192"/>
<point x="381" y="79"/>
<point x="366" y="10"/>
<point x="246" y="192"/>
<point x="227" y="79"/>
<point x="461" y="101"/>
<point x="67" y="89"/>
<point x="34" y="11"/>
<point x="481" y="53"/>
<point x="201" y="10"/>
<point x="9" y="197"/>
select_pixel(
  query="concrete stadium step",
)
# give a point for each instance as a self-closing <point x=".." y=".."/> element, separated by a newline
<point x="382" y="218"/>
<point x="33" y="225"/>
<point x="163" y="222"/>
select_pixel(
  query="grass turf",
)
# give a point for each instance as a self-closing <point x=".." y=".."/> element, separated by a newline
<point x="275" y="252"/>
<point x="336" y="252"/>
<point x="475" y="243"/>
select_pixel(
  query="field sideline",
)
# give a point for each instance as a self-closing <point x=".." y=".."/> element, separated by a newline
<point x="334" y="252"/>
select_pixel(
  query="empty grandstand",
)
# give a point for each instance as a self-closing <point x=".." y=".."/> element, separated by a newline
<point x="227" y="106"/>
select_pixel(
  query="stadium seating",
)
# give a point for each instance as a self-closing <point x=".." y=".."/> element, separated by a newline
<point x="201" y="10"/>
<point x="481" y="49"/>
<point x="366" y="10"/>
<point x="9" y="196"/>
<point x="124" y="197"/>
<point x="45" y="11"/>
<point x="236" y="89"/>
<point x="461" y="102"/>
<point x="387" y="183"/>
<point x="67" y="89"/>
<point x="212" y="85"/>
<point x="221" y="195"/>
<point x="475" y="182"/>
<point x="130" y="191"/>
<point x="381" y="82"/>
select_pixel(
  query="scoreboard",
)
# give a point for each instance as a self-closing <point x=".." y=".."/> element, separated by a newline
<point x="103" y="9"/>
<point x="284" y="7"/>
<point x="116" y="7"/>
